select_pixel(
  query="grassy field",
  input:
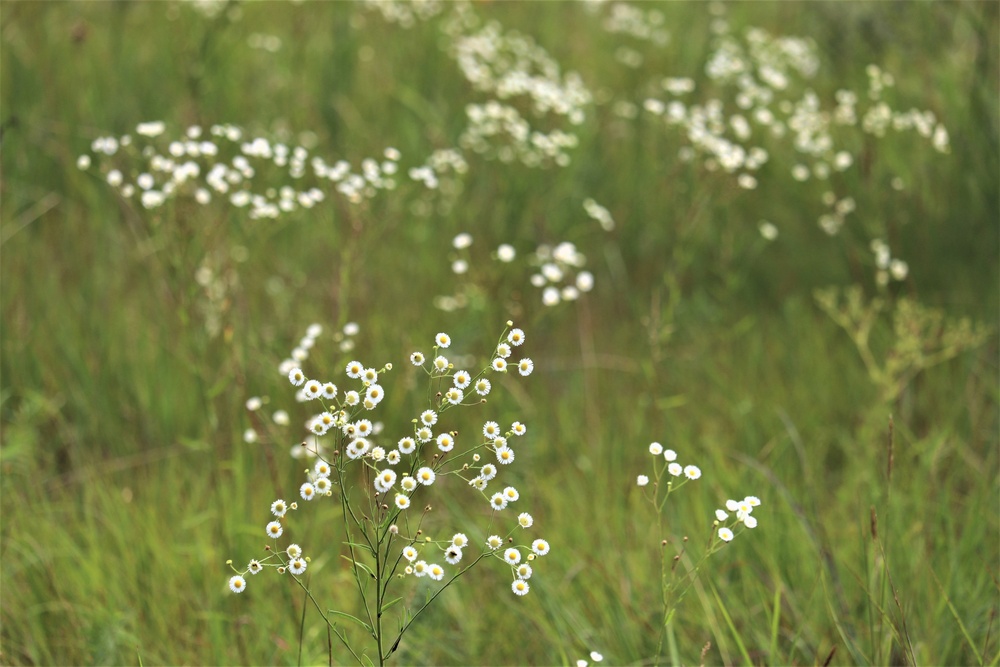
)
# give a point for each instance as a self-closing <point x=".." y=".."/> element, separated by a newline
<point x="134" y="331"/>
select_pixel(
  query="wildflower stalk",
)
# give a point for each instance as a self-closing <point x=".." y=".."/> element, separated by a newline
<point x="372" y="535"/>
<point x="674" y="586"/>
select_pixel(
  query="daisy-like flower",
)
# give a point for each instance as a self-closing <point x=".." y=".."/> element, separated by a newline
<point x="402" y="502"/>
<point x="237" y="584"/>
<point x="278" y="508"/>
<point x="327" y="419"/>
<point x="720" y="515"/>
<point x="322" y="468"/>
<point x="294" y="551"/>
<point x="428" y="417"/>
<point x="323" y="485"/>
<point x="498" y="501"/>
<point x="424" y="434"/>
<point x="494" y="542"/>
<point x="408" y="483"/>
<point x="461" y="379"/>
<point x="296" y="376"/>
<point x="503" y="350"/>
<point x="491" y="430"/>
<point x="445" y="442"/>
<point x="499" y="365"/>
<point x="670" y="455"/>
<point x="749" y="521"/>
<point x="453" y="555"/>
<point x="254" y="566"/>
<point x="642" y="480"/>
<point x="518" y="429"/>
<point x="357" y="448"/>
<point x="355" y="369"/>
<point x="478" y="483"/>
<point x="454" y="396"/>
<point x="363" y="428"/>
<point x="318" y="427"/>
<point x="375" y="394"/>
<point x="442" y="340"/>
<point x="352" y="398"/>
<point x="274" y="530"/>
<point x="512" y="556"/>
<point x="752" y="501"/>
<point x="725" y="534"/>
<point x="385" y="480"/>
<point x="369" y="375"/>
<point x="525" y="366"/>
<point x="505" y="455"/>
<point x="520" y="587"/>
<point x="483" y="386"/>
<point x="392" y="458"/>
<point x="525" y="520"/>
<point x="417" y="358"/>
<point x="307" y="491"/>
<point x="515" y="337"/>
<point x="409" y="553"/>
<point x="511" y="494"/>
<point x="595" y="656"/>
<point x="377" y="454"/>
<point x="743" y="509"/>
<point x="435" y="572"/>
<point x="540" y="547"/>
<point x="329" y="391"/>
<point x="425" y="476"/>
<point x="420" y="568"/>
<point x="655" y="448"/>
<point x="523" y="571"/>
<point x="459" y="540"/>
<point x="406" y="445"/>
<point x="440" y="364"/>
<point x="488" y="471"/>
<point x="675" y="469"/>
<point x="692" y="472"/>
<point x="254" y="403"/>
<point x="280" y="417"/>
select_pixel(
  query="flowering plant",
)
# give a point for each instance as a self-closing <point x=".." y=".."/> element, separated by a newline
<point x="379" y="489"/>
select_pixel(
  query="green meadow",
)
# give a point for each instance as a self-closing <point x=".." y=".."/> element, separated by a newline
<point x="813" y="323"/>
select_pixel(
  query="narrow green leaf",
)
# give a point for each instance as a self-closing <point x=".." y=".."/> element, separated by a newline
<point x="353" y="618"/>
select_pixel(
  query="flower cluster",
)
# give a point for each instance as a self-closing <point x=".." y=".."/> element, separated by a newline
<point x="268" y="178"/>
<point x="670" y="466"/>
<point x="637" y="23"/>
<point x="507" y="67"/>
<point x="419" y="460"/>
<point x="560" y="273"/>
<point x="765" y="78"/>
<point x="742" y="517"/>
<point x="599" y="213"/>
<point x="886" y="265"/>
<point x="299" y="354"/>
<point x="405" y="14"/>
<point x="594" y="655"/>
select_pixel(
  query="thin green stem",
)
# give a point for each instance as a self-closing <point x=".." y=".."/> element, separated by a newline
<point x="406" y="626"/>
<point x="342" y="638"/>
